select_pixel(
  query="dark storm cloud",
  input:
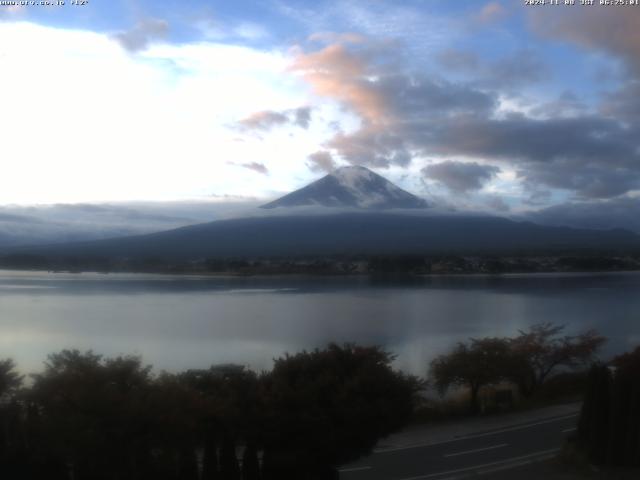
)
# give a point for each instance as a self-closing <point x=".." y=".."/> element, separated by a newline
<point x="613" y="31"/>
<point x="371" y="146"/>
<point x="508" y="73"/>
<point x="624" y="103"/>
<point x="524" y="139"/>
<point x="267" y="119"/>
<point x="321" y="161"/>
<point x="106" y="212"/>
<point x="565" y="106"/>
<point x="459" y="60"/>
<point x="461" y="177"/>
<point x="302" y="117"/>
<point x="591" y="156"/>
<point x="602" y="28"/>
<point x="11" y="218"/>
<point x="410" y="96"/>
<point x="560" y="144"/>
<point x="615" y="213"/>
<point x="255" y="166"/>
<point x="142" y="34"/>
<point x="263" y="120"/>
<point x="497" y="203"/>
<point x="22" y="225"/>
<point x="520" y="68"/>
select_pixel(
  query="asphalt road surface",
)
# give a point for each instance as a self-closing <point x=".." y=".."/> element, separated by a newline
<point x="479" y="453"/>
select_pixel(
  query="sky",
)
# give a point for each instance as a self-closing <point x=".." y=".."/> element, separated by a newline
<point x="485" y="105"/>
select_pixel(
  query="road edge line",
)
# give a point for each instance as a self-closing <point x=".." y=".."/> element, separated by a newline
<point x="490" y="467"/>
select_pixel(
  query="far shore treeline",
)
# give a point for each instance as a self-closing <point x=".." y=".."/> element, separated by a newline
<point x="345" y="264"/>
<point x="86" y="416"/>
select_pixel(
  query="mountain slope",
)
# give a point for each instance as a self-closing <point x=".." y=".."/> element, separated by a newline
<point x="350" y="187"/>
<point x="352" y="233"/>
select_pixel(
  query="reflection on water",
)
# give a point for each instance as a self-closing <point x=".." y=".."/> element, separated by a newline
<point x="178" y="322"/>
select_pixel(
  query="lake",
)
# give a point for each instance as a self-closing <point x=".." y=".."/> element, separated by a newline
<point x="179" y="322"/>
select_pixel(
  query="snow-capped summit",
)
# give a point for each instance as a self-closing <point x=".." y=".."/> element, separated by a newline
<point x="352" y="186"/>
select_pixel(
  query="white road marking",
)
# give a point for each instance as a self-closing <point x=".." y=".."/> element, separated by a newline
<point x="486" y="465"/>
<point x="493" y="447"/>
<point x="566" y="430"/>
<point x="354" y="469"/>
<point x="479" y="435"/>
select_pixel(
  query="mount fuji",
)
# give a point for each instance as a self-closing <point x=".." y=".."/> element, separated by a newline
<point x="352" y="186"/>
<point x="372" y="216"/>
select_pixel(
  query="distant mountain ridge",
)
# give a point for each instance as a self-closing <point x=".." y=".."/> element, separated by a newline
<point x="370" y="233"/>
<point x="352" y="186"/>
<point x="371" y="217"/>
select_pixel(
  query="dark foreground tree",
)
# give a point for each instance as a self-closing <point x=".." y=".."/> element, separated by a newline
<point x="92" y="413"/>
<point x="479" y="363"/>
<point x="542" y="350"/>
<point x="10" y="379"/>
<point x="328" y="407"/>
<point x="609" y="424"/>
<point x="11" y="440"/>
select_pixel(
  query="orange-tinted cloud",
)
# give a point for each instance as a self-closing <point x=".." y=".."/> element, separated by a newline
<point x="491" y="12"/>
<point x="343" y="75"/>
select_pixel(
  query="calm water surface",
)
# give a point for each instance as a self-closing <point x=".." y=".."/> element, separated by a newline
<point x="178" y="322"/>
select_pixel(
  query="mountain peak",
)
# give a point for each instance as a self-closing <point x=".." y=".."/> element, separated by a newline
<point x="350" y="186"/>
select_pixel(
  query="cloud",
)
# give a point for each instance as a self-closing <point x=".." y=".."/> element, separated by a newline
<point x="404" y="115"/>
<point x="12" y="218"/>
<point x="461" y="177"/>
<point x="621" y="212"/>
<point x="336" y="37"/>
<point x="416" y="26"/>
<point x="255" y="166"/>
<point x="359" y="80"/>
<point x="251" y="31"/>
<point x="321" y="161"/>
<point x="267" y="119"/>
<point x="510" y="72"/>
<point x="496" y="203"/>
<point x="142" y="34"/>
<point x="520" y="68"/>
<point x="264" y="120"/>
<point x="371" y="146"/>
<point x="12" y="10"/>
<point x="78" y="222"/>
<point x="302" y="117"/>
<point x="600" y="28"/>
<point x="458" y="60"/>
<point x="164" y="110"/>
<point x="339" y="73"/>
<point x="624" y="103"/>
<point x="592" y="156"/>
<point x="491" y="12"/>
<point x="567" y="105"/>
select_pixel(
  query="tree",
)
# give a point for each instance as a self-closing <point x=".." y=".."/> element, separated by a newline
<point x="593" y="424"/>
<point x="10" y="380"/>
<point x="94" y="412"/>
<point x="609" y="424"/>
<point x="229" y="413"/>
<point x="11" y="442"/>
<point x="541" y="350"/>
<point x="479" y="363"/>
<point x="328" y="407"/>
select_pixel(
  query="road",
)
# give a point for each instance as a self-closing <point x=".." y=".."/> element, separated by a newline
<point x="482" y="452"/>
